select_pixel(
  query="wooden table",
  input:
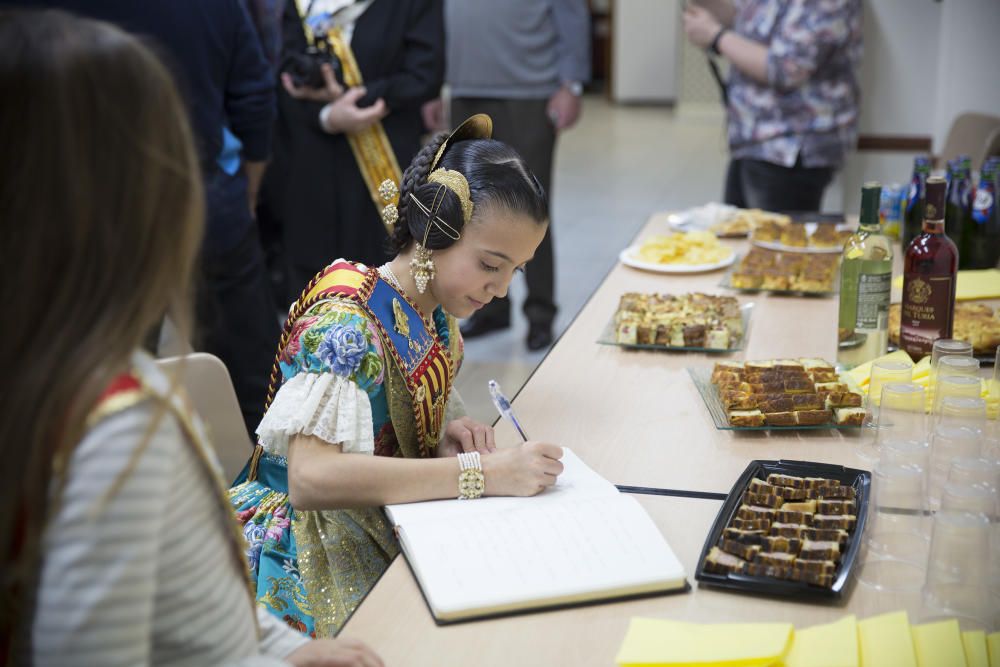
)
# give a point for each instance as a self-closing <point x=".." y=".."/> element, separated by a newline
<point x="637" y="419"/>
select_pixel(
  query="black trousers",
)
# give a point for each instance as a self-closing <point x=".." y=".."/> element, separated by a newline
<point x="772" y="187"/>
<point x="525" y="126"/>
<point x="237" y="321"/>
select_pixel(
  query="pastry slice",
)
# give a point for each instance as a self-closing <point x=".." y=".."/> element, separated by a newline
<point x="769" y="570"/>
<point x="813" y="417"/>
<point x="838" y="492"/>
<point x="744" y="551"/>
<point x="719" y="562"/>
<point x="780" y="418"/>
<point x="792" y="516"/>
<point x="826" y="535"/>
<point x="786" y="480"/>
<point x="812" y="550"/>
<point x="841" y="521"/>
<point x="807" y="402"/>
<point x="755" y="512"/>
<point x="777" y="543"/>
<point x="850" y="416"/>
<point x="744" y="536"/>
<point x="839" y="506"/>
<point x="762" y="499"/>
<point x="786" y="529"/>
<point x="804" y="506"/>
<point x="746" y="418"/>
<point x="750" y="524"/>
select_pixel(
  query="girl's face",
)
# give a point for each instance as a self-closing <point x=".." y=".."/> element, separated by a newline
<point x="482" y="263"/>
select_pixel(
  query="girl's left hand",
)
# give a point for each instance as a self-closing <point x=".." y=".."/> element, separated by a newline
<point x="466" y="435"/>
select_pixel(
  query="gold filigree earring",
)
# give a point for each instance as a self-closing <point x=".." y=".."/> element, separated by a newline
<point x="422" y="267"/>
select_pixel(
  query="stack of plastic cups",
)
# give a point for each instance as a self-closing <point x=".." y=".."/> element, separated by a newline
<point x="885" y="372"/>
<point x="966" y="370"/>
<point x="959" y="569"/>
<point x="974" y="486"/>
<point x="895" y="549"/>
<point x="946" y="347"/>
<point x="958" y="434"/>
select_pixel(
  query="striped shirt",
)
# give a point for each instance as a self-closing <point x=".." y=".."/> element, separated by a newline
<point x="147" y="576"/>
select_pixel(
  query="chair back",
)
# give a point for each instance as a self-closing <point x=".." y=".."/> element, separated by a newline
<point x="970" y="133"/>
<point x="207" y="382"/>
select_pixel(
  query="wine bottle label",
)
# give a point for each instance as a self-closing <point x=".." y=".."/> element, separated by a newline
<point x="873" y="299"/>
<point x="928" y="308"/>
<point x="983" y="205"/>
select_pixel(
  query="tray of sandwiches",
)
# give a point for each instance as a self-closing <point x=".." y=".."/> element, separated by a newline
<point x="779" y="394"/>
<point x="809" y="237"/>
<point x="977" y="323"/>
<point x="784" y="273"/>
<point x="788" y="528"/>
<point x="686" y="322"/>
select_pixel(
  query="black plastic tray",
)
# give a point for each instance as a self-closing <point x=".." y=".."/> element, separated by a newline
<point x="861" y="480"/>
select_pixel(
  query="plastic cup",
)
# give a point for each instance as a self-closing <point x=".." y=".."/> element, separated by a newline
<point x="969" y="498"/>
<point x="895" y="546"/>
<point x="901" y="414"/>
<point x="885" y="372"/>
<point x="948" y="444"/>
<point x="960" y="386"/>
<point x="907" y="452"/>
<point x="958" y="568"/>
<point x="947" y="347"/>
<point x="975" y="472"/>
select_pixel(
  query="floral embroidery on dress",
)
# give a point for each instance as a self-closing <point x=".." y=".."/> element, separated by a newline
<point x="343" y="348"/>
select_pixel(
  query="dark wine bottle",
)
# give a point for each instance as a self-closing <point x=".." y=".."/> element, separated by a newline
<point x="930" y="268"/>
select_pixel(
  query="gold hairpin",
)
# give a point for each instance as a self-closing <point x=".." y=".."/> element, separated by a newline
<point x="434" y="219"/>
<point x="456" y="182"/>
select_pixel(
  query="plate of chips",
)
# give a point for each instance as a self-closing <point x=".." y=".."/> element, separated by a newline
<point x="680" y="252"/>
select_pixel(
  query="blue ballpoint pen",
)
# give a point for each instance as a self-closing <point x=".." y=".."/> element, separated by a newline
<point x="503" y="407"/>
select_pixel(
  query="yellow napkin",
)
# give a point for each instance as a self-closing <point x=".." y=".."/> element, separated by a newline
<point x="650" y="642"/>
<point x="939" y="644"/>
<point x="885" y="641"/>
<point x="993" y="644"/>
<point x="974" y="643"/>
<point x="972" y="285"/>
<point x="863" y="373"/>
<point x="831" y="645"/>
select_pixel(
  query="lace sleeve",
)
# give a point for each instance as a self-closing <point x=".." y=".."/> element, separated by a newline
<point x="332" y="363"/>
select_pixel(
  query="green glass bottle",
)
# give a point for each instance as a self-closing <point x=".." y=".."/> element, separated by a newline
<point x="865" y="283"/>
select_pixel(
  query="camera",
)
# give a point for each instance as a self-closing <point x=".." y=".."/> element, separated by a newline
<point x="304" y="68"/>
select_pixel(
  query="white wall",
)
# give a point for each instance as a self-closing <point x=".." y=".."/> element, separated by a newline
<point x="645" y="49"/>
<point x="968" y="62"/>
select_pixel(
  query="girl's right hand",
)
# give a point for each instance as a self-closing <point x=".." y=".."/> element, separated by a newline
<point x="522" y="471"/>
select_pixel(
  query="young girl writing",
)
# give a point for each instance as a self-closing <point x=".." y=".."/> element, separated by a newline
<point x="367" y="414"/>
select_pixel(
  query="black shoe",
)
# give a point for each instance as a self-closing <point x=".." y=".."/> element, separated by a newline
<point x="478" y="326"/>
<point x="539" y="336"/>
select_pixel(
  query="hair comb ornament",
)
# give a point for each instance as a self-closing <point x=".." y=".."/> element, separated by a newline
<point x="389" y="193"/>
<point x="479" y="126"/>
<point x="455" y="181"/>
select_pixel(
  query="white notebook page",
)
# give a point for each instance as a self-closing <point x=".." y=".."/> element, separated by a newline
<point x="580" y="540"/>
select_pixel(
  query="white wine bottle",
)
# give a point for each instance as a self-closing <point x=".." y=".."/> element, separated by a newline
<point x="865" y="283"/>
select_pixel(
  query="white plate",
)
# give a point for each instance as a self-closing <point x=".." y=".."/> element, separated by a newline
<point x="810" y="229"/>
<point x="630" y="257"/>
<point x="701" y="217"/>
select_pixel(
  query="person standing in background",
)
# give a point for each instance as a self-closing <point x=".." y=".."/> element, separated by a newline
<point x="319" y="190"/>
<point x="524" y="63"/>
<point x="792" y="95"/>
<point x="213" y="51"/>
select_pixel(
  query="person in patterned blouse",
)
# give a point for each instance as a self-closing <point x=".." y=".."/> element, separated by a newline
<point x="367" y="414"/>
<point x="792" y="94"/>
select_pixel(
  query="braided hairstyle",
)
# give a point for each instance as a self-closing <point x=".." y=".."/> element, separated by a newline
<point x="497" y="176"/>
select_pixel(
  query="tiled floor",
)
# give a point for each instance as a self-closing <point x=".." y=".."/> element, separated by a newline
<point x="615" y="168"/>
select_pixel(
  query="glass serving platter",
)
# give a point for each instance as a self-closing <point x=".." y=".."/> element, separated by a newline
<point x="702" y="378"/>
<point x="727" y="282"/>
<point x="608" y="337"/>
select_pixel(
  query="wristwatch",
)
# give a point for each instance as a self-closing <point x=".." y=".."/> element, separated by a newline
<point x="574" y="87"/>
<point x="714" y="46"/>
<point x="471" y="482"/>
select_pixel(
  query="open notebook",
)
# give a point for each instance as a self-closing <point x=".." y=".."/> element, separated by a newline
<point x="579" y="541"/>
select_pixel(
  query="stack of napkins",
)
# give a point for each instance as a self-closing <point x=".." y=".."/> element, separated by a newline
<point x="882" y="641"/>
<point x="972" y="285"/>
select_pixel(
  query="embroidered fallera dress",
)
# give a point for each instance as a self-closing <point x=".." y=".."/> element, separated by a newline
<point x="360" y="368"/>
